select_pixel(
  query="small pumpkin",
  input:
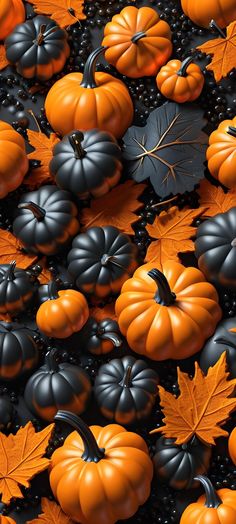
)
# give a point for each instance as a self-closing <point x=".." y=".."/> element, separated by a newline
<point x="46" y="220"/>
<point x="101" y="260"/>
<point x="109" y="463"/>
<point x="178" y="465"/>
<point x="215" y="248"/>
<point x="18" y="350"/>
<point x="167" y="315"/>
<point x="57" y="386"/>
<point x="89" y="101"/>
<point x="16" y="289"/>
<point x="100" y="337"/>
<point x="7" y="413"/>
<point x="232" y="445"/>
<point x="87" y="164"/>
<point x="4" y="519"/>
<point x="215" y="507"/>
<point x="221" y="153"/>
<point x="14" y="161"/>
<point x="138" y="43"/>
<point x="12" y="12"/>
<point x="224" y="339"/>
<point x="64" y="313"/>
<point x="125" y="389"/>
<point x="181" y="82"/>
<point x="201" y="12"/>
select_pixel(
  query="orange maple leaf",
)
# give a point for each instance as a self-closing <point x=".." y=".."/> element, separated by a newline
<point x="21" y="458"/>
<point x="3" y="59"/>
<point x="214" y="199"/>
<point x="64" y="12"/>
<point x="45" y="274"/>
<point x="52" y="514"/>
<point x="202" y="406"/>
<point x="223" y="53"/>
<point x="115" y="208"/>
<point x="12" y="249"/>
<point x="43" y="147"/>
<point x="173" y="231"/>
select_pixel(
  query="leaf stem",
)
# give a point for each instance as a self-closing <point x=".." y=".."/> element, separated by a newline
<point x="214" y="25"/>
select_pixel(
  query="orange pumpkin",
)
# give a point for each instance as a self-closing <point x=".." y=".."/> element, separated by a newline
<point x="64" y="313"/>
<point x="100" y="474"/>
<point x="201" y="12"/>
<point x="89" y="101"/>
<point x="138" y="42"/>
<point x="167" y="315"/>
<point x="12" y="12"/>
<point x="221" y="153"/>
<point x="215" y="507"/>
<point x="4" y="519"/>
<point x="14" y="161"/>
<point x="232" y="445"/>
<point x="181" y="82"/>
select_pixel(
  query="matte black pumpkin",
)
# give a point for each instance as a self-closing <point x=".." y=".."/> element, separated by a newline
<point x="223" y="340"/>
<point x="125" y="389"/>
<point x="46" y="221"/>
<point x="101" y="260"/>
<point x="7" y="413"/>
<point x="215" y="247"/>
<point x="16" y="288"/>
<point x="38" y="48"/>
<point x="100" y="337"/>
<point x="18" y="350"/>
<point x="87" y="164"/>
<point x="57" y="386"/>
<point x="178" y="465"/>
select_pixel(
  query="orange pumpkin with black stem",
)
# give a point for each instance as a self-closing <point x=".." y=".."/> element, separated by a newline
<point x="89" y="101"/>
<point x="232" y="445"/>
<point x="181" y="82"/>
<point x="167" y="315"/>
<point x="201" y="12"/>
<point x="138" y="42"/>
<point x="14" y="161"/>
<point x="100" y="474"/>
<point x="12" y="12"/>
<point x="221" y="153"/>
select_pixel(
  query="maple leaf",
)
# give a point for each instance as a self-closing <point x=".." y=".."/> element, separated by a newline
<point x="12" y="249"/>
<point x="173" y="231"/>
<point x="116" y="208"/>
<point x="5" y="317"/>
<point x="64" y="12"/>
<point x="108" y="311"/>
<point x="43" y="147"/>
<point x="21" y="458"/>
<point x="214" y="199"/>
<point x="222" y="51"/>
<point x="3" y="59"/>
<point x="202" y="406"/>
<point x="52" y="514"/>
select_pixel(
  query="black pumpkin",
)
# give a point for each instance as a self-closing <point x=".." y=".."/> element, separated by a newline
<point x="125" y="389"/>
<point x="216" y="248"/>
<point x="46" y="220"/>
<point x="16" y="288"/>
<point x="100" y="337"/>
<point x="223" y="340"/>
<point x="7" y="413"/>
<point x="57" y="386"/>
<point x="38" y="48"/>
<point x="178" y="465"/>
<point x="87" y="164"/>
<point x="101" y="260"/>
<point x="18" y="350"/>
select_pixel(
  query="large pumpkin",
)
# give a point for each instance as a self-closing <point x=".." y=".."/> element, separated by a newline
<point x="14" y="161"/>
<point x="138" y="42"/>
<point x="12" y="12"/>
<point x="100" y="474"/>
<point x="202" y="12"/>
<point x="18" y="350"/>
<point x="167" y="315"/>
<point x="89" y="101"/>
<point x="181" y="82"/>
<point x="221" y="153"/>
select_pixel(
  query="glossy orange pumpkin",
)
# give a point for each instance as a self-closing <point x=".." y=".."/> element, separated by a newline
<point x="12" y="12"/>
<point x="89" y="101"/>
<point x="64" y="313"/>
<point x="232" y="445"/>
<point x="215" y="507"/>
<point x="181" y="82"/>
<point x="14" y="161"/>
<point x="167" y="315"/>
<point x="201" y="12"/>
<point x="101" y="474"/>
<point x="4" y="519"/>
<point x="221" y="153"/>
<point x="138" y="42"/>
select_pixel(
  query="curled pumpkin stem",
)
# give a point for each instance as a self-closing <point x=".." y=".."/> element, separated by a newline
<point x="126" y="381"/>
<point x="164" y="295"/>
<point x="38" y="212"/>
<point x="50" y="361"/>
<point x="75" y="141"/>
<point x="52" y="290"/>
<point x="135" y="38"/>
<point x="232" y="131"/>
<point x="88" y="79"/>
<point x="9" y="275"/>
<point x="212" y="499"/>
<point x="184" y="66"/>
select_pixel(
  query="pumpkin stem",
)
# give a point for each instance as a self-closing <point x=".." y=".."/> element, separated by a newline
<point x="38" y="212"/>
<point x="232" y="131"/>
<point x="184" y="66"/>
<point x="212" y="499"/>
<point x="52" y="290"/>
<point x="225" y="342"/>
<point x="42" y="35"/>
<point x="214" y="25"/>
<point x="109" y="335"/>
<point x="75" y="141"/>
<point x="88" y="79"/>
<point x="9" y="275"/>
<point x="50" y="361"/>
<point x="135" y="38"/>
<point x="164" y="295"/>
<point x="110" y="258"/>
<point x="92" y="453"/>
<point x="126" y="382"/>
